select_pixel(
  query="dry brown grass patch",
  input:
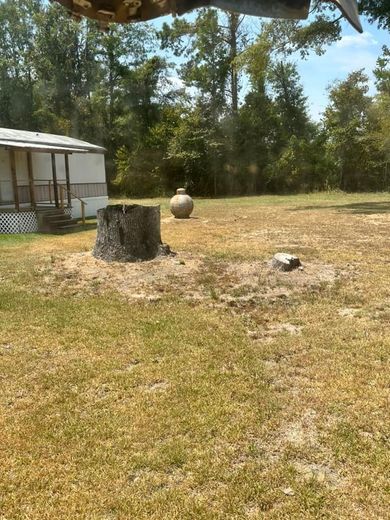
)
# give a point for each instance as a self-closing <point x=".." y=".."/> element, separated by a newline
<point x="191" y="276"/>
<point x="204" y="386"/>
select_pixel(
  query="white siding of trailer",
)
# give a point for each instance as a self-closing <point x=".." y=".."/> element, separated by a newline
<point x="85" y="168"/>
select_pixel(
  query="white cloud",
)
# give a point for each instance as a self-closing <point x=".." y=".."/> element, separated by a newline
<point x="349" y="61"/>
<point x="176" y="83"/>
<point x="365" y="39"/>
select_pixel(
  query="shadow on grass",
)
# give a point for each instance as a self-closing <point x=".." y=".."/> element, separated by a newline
<point x="87" y="226"/>
<point x="358" y="208"/>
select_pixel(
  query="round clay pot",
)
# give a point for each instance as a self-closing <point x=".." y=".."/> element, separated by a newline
<point x="181" y="204"/>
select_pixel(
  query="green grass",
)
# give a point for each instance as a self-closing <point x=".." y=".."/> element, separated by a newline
<point x="116" y="409"/>
<point x="17" y="239"/>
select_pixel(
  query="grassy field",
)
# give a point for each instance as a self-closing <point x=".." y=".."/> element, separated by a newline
<point x="203" y="386"/>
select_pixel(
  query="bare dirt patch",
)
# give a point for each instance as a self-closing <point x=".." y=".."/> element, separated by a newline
<point x="349" y="312"/>
<point x="320" y="472"/>
<point x="189" y="276"/>
<point x="302" y="432"/>
<point x="157" y="385"/>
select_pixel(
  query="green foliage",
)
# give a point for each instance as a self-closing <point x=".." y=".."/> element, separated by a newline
<point x="352" y="127"/>
<point x="378" y="11"/>
<point x="16" y="70"/>
<point x="290" y="102"/>
<point x="382" y="72"/>
<point x="199" y="130"/>
<point x="136" y="173"/>
<point x="302" y="165"/>
<point x="290" y="36"/>
<point x="197" y="147"/>
<point x="380" y="116"/>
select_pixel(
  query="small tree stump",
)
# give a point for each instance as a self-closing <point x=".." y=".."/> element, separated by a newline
<point x="285" y="262"/>
<point x="129" y="233"/>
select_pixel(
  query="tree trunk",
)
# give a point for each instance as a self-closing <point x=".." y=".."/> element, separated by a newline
<point x="234" y="22"/>
<point x="129" y="233"/>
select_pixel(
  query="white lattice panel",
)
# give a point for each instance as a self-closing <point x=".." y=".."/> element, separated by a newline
<point x="14" y="222"/>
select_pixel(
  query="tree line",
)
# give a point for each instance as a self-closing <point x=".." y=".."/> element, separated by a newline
<point x="209" y="101"/>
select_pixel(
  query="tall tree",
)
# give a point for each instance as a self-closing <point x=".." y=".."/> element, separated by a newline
<point x="346" y="122"/>
<point x="290" y="101"/>
<point x="121" y="51"/>
<point x="64" y="60"/>
<point x="139" y="158"/>
<point x="17" y="32"/>
<point x="210" y="46"/>
<point x="382" y="72"/>
<point x="258" y="128"/>
<point x="380" y="116"/>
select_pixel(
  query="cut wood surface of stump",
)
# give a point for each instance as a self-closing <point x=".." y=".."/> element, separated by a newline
<point x="285" y="262"/>
<point x="129" y="233"/>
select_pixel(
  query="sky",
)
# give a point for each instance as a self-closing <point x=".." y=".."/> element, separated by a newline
<point x="353" y="52"/>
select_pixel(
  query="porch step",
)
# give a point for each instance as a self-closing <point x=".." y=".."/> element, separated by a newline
<point x="55" y="221"/>
<point x="61" y="230"/>
<point x="50" y="212"/>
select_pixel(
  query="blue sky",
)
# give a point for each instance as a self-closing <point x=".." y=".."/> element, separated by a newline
<point x="354" y="51"/>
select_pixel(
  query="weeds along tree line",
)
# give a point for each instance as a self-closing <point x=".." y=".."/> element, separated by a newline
<point x="213" y="101"/>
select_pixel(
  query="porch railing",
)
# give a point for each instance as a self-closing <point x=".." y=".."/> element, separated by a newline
<point x="64" y="191"/>
<point x="44" y="191"/>
<point x="46" y="187"/>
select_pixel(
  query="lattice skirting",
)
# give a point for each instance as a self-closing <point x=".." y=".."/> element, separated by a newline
<point x="18" y="222"/>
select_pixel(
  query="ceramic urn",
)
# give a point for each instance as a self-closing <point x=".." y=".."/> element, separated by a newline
<point x="181" y="204"/>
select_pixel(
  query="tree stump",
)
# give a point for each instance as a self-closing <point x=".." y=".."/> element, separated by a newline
<point x="129" y="233"/>
<point x="285" y="262"/>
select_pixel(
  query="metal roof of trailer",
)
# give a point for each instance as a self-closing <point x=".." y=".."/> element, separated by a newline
<point x="40" y="142"/>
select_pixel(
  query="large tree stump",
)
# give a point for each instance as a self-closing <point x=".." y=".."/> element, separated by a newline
<point x="129" y="233"/>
